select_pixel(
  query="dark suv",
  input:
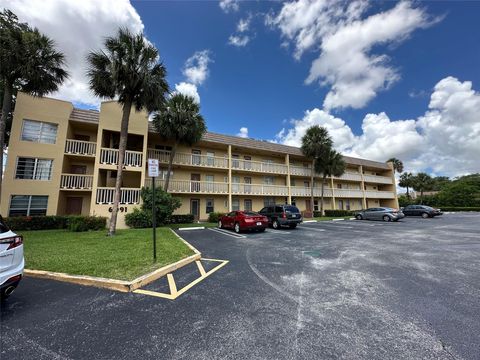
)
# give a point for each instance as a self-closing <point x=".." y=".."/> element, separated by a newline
<point x="282" y="215"/>
<point x="421" y="210"/>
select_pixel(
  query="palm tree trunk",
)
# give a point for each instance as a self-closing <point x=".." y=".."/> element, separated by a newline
<point x="170" y="162"/>
<point x="312" y="199"/>
<point x="6" y="108"/>
<point x="122" y="147"/>
<point x="421" y="197"/>
<point x="408" y="193"/>
<point x="321" y="199"/>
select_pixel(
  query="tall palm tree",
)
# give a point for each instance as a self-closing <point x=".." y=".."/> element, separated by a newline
<point x="422" y="182"/>
<point x="331" y="164"/>
<point x="29" y="62"/>
<point x="179" y="120"/>
<point x="316" y="143"/>
<point x="129" y="71"/>
<point x="406" y="181"/>
<point x="397" y="165"/>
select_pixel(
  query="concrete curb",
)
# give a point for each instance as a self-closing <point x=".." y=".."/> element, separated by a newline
<point x="192" y="228"/>
<point x="309" y="221"/>
<point x="338" y="219"/>
<point x="113" y="284"/>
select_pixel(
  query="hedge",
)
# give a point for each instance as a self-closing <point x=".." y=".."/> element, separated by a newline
<point x="143" y="219"/>
<point x="181" y="219"/>
<point x="459" y="208"/>
<point x="214" y="217"/>
<point x="71" y="222"/>
<point x="338" y="213"/>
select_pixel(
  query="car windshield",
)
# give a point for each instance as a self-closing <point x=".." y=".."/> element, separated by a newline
<point x="3" y="227"/>
<point x="250" y="213"/>
<point x="292" y="209"/>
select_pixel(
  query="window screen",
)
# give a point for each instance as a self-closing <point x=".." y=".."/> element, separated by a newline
<point x="38" y="131"/>
<point x="28" y="205"/>
<point x="33" y="168"/>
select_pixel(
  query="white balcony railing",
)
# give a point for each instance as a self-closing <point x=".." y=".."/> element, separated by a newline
<point x="259" y="189"/>
<point x="349" y="193"/>
<point x="306" y="191"/>
<point x="350" y="176"/>
<point x="300" y="170"/>
<point x="188" y="159"/>
<point x="110" y="156"/>
<point x="76" y="181"/>
<point x="80" y="147"/>
<point x="377" y="179"/>
<point x="379" y="194"/>
<point x="106" y="195"/>
<point x="189" y="186"/>
<point x="258" y="166"/>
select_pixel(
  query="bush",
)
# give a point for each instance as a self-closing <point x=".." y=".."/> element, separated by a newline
<point x="214" y="216"/>
<point x="139" y="219"/>
<point x="181" y="219"/>
<point x="458" y="208"/>
<point x="165" y="204"/>
<point x="339" y="212"/>
<point x="18" y="223"/>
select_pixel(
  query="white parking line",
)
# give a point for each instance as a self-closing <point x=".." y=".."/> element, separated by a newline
<point x="312" y="229"/>
<point x="226" y="232"/>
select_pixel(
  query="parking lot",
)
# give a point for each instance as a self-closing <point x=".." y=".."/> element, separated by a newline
<point x="344" y="289"/>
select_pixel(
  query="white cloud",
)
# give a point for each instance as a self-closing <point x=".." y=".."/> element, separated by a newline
<point x="243" y="132"/>
<point x="188" y="89"/>
<point x="77" y="27"/>
<point x="196" y="67"/>
<point x="445" y="140"/>
<point x="238" y="40"/>
<point x="229" y="5"/>
<point x="244" y="24"/>
<point x="345" y="40"/>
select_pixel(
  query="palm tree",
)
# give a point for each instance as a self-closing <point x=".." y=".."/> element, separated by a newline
<point x="179" y="120"/>
<point x="397" y="165"/>
<point x="331" y="164"/>
<point x="422" y="182"/>
<point x="406" y="181"/>
<point x="29" y="62"/>
<point x="316" y="143"/>
<point x="129" y="71"/>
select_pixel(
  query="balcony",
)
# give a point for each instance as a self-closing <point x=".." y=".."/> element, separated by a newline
<point x="189" y="186"/>
<point x="105" y="195"/>
<point x="300" y="170"/>
<point x="110" y="157"/>
<point x="348" y="193"/>
<point x="259" y="189"/>
<point x="306" y="191"/>
<point x="259" y="166"/>
<point x="76" y="182"/>
<point x="377" y="179"/>
<point x="79" y="147"/>
<point x="379" y="194"/>
<point x="189" y="159"/>
<point x="350" y="176"/>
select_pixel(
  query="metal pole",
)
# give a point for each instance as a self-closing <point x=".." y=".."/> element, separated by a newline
<point x="154" y="221"/>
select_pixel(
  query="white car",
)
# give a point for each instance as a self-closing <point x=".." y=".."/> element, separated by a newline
<point x="11" y="260"/>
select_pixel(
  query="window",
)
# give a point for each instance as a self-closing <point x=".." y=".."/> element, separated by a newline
<point x="247" y="204"/>
<point x="196" y="157"/>
<point x="235" y="184"/>
<point x="235" y="205"/>
<point x="33" y="168"/>
<point x="210" y="158"/>
<point x="247" y="163"/>
<point x="294" y="201"/>
<point x="163" y="147"/>
<point x="209" y="178"/>
<point x="315" y="205"/>
<point x="292" y="182"/>
<point x="162" y="174"/>
<point x="235" y="161"/>
<point x="268" y="201"/>
<point x="306" y="184"/>
<point x="340" y="204"/>
<point x="39" y="131"/>
<point x="339" y="186"/>
<point x="268" y="180"/>
<point x="347" y="204"/>
<point x="209" y="207"/>
<point x="28" y="205"/>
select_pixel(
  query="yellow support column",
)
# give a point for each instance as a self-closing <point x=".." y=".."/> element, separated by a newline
<point x="362" y="184"/>
<point x="287" y="162"/>
<point x="229" y="178"/>
<point x="334" y="204"/>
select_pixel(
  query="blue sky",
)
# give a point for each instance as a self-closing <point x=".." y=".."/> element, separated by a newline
<point x="386" y="78"/>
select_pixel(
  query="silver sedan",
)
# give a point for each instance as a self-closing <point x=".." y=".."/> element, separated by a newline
<point x="380" y="213"/>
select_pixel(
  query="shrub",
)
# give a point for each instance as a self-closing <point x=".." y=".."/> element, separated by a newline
<point x="165" y="204"/>
<point x="339" y="212"/>
<point x="19" y="223"/>
<point x="181" y="219"/>
<point x="458" y="208"/>
<point x="215" y="216"/>
<point x="139" y="219"/>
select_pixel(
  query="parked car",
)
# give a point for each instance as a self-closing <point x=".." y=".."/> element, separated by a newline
<point x="243" y="220"/>
<point x="11" y="260"/>
<point x="282" y="215"/>
<point x="380" y="213"/>
<point x="421" y="210"/>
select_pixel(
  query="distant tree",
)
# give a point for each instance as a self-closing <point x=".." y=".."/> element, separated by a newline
<point x="29" y="62"/>
<point x="422" y="182"/>
<point x="129" y="71"/>
<point x="397" y="165"/>
<point x="179" y="120"/>
<point x="464" y="191"/>
<point x="439" y="182"/>
<point x="316" y="143"/>
<point x="406" y="181"/>
<point x="331" y="164"/>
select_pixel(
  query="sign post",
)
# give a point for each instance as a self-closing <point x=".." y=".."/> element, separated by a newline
<point x="153" y="173"/>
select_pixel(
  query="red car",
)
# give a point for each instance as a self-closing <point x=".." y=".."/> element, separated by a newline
<point x="243" y="220"/>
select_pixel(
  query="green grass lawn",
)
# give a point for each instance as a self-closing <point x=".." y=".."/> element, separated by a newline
<point x="126" y="256"/>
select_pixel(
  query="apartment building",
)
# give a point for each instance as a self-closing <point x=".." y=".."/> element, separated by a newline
<point x="62" y="160"/>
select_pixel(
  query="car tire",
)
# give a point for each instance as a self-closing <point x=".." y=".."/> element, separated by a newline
<point x="386" y="218"/>
<point x="236" y="227"/>
<point x="293" y="226"/>
<point x="220" y="225"/>
<point x="261" y="230"/>
<point x="275" y="224"/>
<point x="425" y="215"/>
<point x="359" y="217"/>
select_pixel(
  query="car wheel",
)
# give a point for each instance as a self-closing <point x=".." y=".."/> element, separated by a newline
<point x="275" y="224"/>
<point x="261" y="230"/>
<point x="293" y="226"/>
<point x="359" y="217"/>
<point x="386" y="218"/>
<point x="237" y="227"/>
<point x="220" y="225"/>
<point x="425" y="215"/>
